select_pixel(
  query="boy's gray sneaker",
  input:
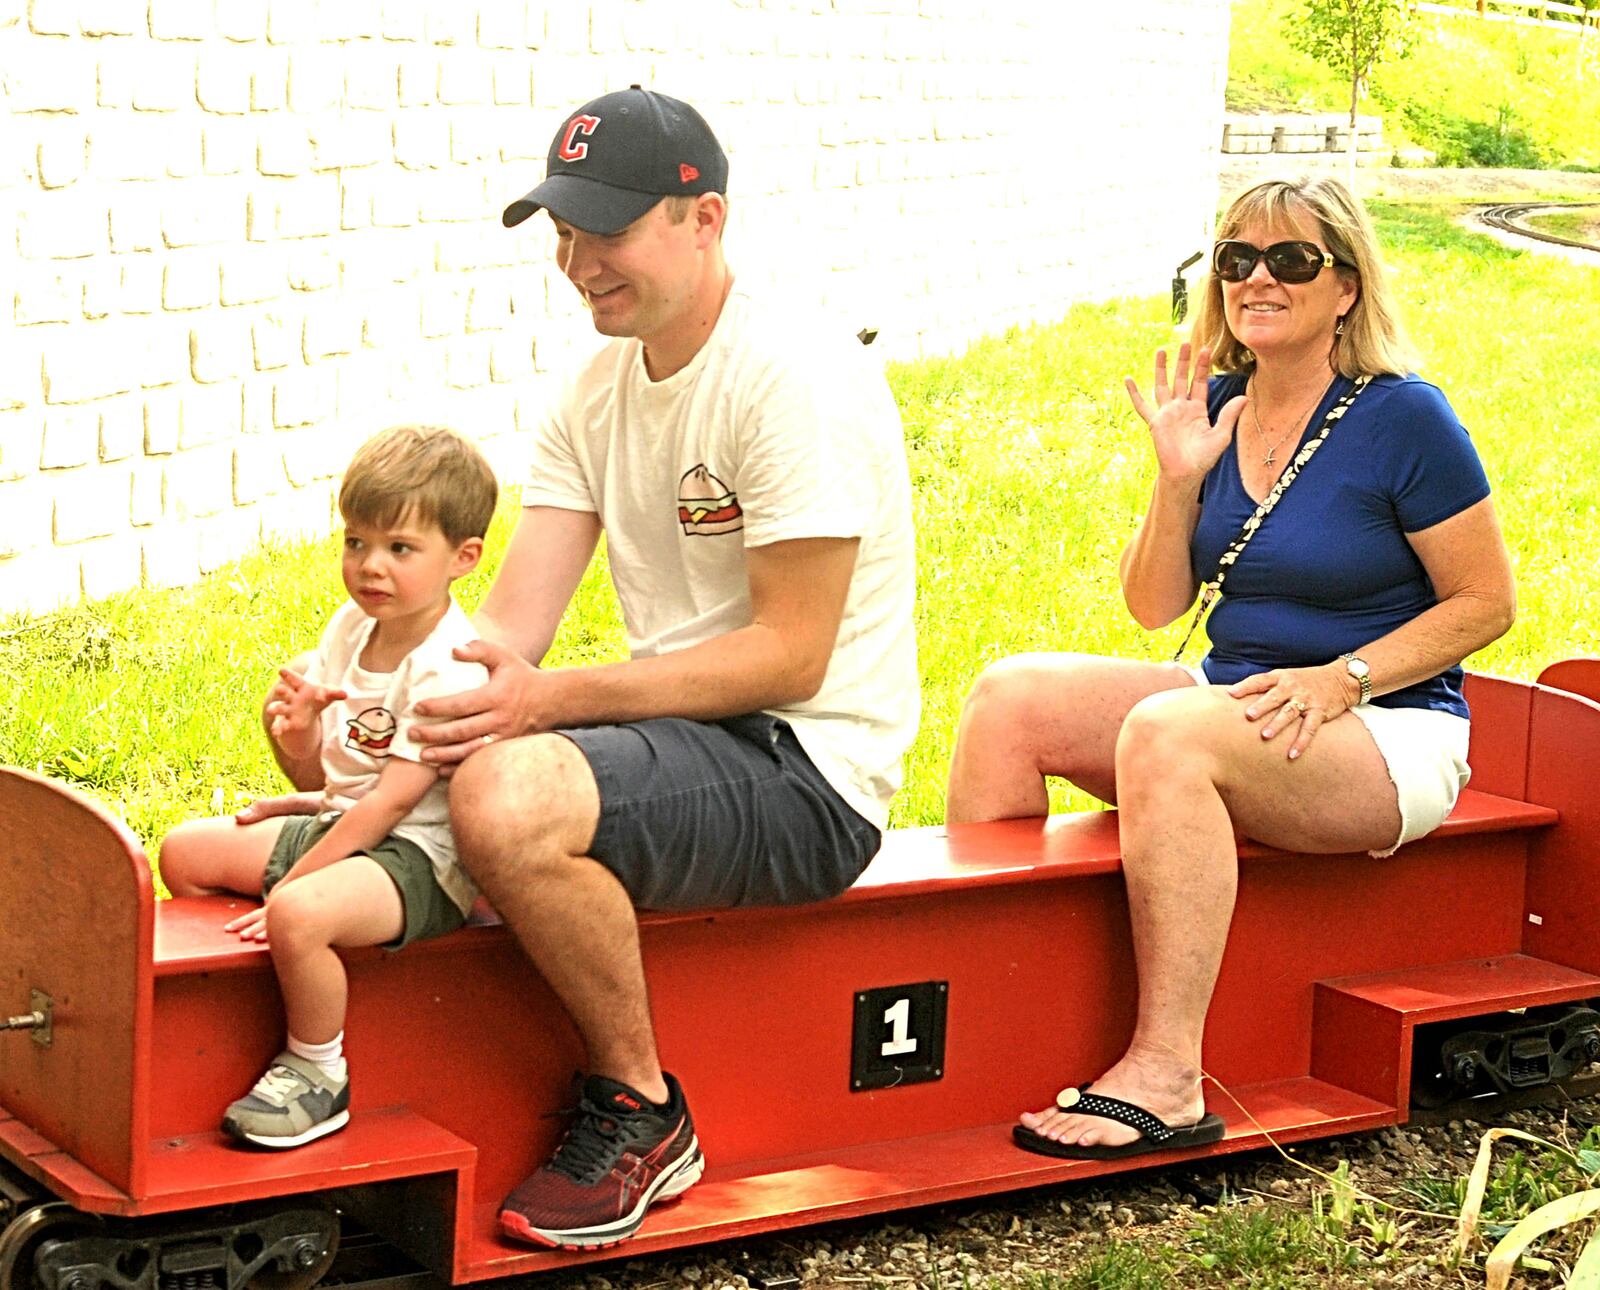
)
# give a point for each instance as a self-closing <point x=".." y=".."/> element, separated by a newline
<point x="292" y="1104"/>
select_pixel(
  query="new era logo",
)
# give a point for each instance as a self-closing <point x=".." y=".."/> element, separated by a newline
<point x="686" y="172"/>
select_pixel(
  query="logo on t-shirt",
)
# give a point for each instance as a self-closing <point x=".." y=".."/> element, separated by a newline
<point x="706" y="505"/>
<point x="371" y="731"/>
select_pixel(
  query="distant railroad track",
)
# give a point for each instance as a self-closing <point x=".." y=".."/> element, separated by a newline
<point x="1509" y="219"/>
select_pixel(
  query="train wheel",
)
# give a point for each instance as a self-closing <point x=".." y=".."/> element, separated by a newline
<point x="310" y="1265"/>
<point x="22" y="1236"/>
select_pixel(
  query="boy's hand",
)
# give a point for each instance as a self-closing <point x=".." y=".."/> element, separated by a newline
<point x="251" y="925"/>
<point x="267" y="808"/>
<point x="293" y="709"/>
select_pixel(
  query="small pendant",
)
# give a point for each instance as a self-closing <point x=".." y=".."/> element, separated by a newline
<point x="1268" y="459"/>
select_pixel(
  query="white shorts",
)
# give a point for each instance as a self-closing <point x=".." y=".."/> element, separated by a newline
<point x="1425" y="752"/>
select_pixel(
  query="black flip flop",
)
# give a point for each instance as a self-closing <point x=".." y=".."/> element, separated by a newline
<point x="1155" y="1135"/>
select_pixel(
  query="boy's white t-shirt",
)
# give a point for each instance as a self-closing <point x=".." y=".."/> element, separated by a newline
<point x="374" y="723"/>
<point x="777" y="429"/>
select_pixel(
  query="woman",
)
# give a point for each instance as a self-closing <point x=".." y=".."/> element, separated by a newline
<point x="1328" y="715"/>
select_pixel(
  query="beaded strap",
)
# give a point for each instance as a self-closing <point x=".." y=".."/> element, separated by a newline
<point x="1082" y="1102"/>
<point x="1211" y="590"/>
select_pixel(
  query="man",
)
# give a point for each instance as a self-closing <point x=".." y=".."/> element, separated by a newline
<point x="749" y="473"/>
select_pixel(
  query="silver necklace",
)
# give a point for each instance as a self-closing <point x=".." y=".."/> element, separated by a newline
<point x="1272" y="448"/>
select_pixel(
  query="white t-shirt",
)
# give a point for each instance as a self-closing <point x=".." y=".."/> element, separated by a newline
<point x="777" y="429"/>
<point x="374" y="723"/>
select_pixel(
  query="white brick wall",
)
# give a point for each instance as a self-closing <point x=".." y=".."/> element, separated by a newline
<point x="241" y="236"/>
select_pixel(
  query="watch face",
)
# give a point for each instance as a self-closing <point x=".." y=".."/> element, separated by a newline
<point x="1356" y="667"/>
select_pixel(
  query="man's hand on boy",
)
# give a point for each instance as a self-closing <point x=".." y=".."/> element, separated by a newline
<point x="293" y="708"/>
<point x="514" y="701"/>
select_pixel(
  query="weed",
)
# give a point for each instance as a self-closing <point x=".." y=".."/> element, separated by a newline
<point x="1119" y="1266"/>
<point x="1267" y="1247"/>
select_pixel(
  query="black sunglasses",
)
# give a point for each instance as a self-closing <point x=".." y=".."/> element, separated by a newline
<point x="1293" y="262"/>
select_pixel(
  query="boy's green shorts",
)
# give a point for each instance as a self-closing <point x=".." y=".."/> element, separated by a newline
<point x="429" y="912"/>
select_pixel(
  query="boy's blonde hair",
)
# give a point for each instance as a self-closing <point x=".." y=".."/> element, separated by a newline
<point x="425" y="472"/>
<point x="1373" y="342"/>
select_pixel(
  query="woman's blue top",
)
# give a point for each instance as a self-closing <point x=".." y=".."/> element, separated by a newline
<point x="1330" y="570"/>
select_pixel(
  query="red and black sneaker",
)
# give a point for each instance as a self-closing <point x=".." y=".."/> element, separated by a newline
<point x="621" y="1155"/>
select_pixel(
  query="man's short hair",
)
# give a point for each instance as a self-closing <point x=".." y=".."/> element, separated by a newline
<point x="424" y="472"/>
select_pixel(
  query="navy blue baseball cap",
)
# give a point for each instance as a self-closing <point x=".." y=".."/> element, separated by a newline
<point x="617" y="156"/>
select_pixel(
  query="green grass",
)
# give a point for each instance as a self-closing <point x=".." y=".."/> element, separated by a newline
<point x="1582" y="225"/>
<point x="1253" y="1246"/>
<point x="1030" y="472"/>
<point x="1461" y="70"/>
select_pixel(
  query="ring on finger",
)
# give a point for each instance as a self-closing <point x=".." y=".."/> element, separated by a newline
<point x="489" y="739"/>
<point x="1297" y="704"/>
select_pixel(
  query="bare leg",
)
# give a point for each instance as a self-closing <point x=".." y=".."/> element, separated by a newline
<point x="348" y="903"/>
<point x="202" y="857"/>
<point x="524" y="813"/>
<point x="1045" y="714"/>
<point x="1190" y="769"/>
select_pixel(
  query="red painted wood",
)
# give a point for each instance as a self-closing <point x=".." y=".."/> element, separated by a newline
<point x="42" y="1161"/>
<point x="1363" y="1025"/>
<point x="209" y="1169"/>
<point x="1563" y="888"/>
<point x="814" y="1187"/>
<point x="760" y="1001"/>
<point x="1359" y="1045"/>
<point x="1580" y="676"/>
<point x="1446" y="991"/>
<point x="77" y="899"/>
<point x="1498" y="752"/>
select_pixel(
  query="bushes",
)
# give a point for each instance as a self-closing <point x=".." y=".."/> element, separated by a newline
<point x="1461" y="141"/>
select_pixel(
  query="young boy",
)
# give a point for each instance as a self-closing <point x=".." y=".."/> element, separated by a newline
<point x="377" y="866"/>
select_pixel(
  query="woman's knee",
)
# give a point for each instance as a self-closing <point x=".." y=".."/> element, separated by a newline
<point x="1165" y="733"/>
<point x="1014" y="689"/>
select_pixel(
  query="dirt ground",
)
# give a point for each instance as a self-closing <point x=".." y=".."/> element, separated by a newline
<point x="1392" y="183"/>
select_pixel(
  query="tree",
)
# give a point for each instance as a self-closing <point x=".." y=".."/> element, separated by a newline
<point x="1352" y="37"/>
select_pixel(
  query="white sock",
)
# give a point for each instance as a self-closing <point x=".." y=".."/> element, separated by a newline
<point x="328" y="1057"/>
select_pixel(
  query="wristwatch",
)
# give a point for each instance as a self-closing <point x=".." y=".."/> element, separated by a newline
<point x="1357" y="667"/>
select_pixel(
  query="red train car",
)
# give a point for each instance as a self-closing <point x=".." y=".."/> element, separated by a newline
<point x="844" y="1059"/>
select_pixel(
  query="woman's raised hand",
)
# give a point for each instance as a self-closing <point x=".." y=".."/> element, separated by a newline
<point x="1186" y="443"/>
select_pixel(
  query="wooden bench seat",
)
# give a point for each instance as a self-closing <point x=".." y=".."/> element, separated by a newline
<point x="913" y="862"/>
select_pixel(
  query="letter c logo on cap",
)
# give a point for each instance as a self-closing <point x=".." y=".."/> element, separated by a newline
<point x="572" y="149"/>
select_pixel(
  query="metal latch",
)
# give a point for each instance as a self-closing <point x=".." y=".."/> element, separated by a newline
<point x="38" y="1021"/>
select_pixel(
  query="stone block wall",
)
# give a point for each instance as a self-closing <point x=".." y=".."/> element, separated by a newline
<point x="241" y="235"/>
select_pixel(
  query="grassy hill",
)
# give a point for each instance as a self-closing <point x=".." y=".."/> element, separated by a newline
<point x="1477" y="92"/>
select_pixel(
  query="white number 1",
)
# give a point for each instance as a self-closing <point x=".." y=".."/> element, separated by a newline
<point x="898" y="1019"/>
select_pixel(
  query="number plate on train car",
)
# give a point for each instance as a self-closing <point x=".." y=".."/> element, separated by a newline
<point x="898" y="1036"/>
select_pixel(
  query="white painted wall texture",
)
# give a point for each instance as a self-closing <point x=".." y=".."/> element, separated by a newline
<point x="241" y="235"/>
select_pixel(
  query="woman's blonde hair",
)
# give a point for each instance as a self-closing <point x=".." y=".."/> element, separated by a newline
<point x="1373" y="342"/>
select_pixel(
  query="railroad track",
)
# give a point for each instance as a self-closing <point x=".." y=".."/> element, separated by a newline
<point x="1508" y="219"/>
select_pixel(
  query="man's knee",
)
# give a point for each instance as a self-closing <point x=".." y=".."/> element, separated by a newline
<point x="521" y="791"/>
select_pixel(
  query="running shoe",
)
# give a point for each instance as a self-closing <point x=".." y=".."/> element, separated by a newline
<point x="295" y="1102"/>
<point x="621" y="1155"/>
